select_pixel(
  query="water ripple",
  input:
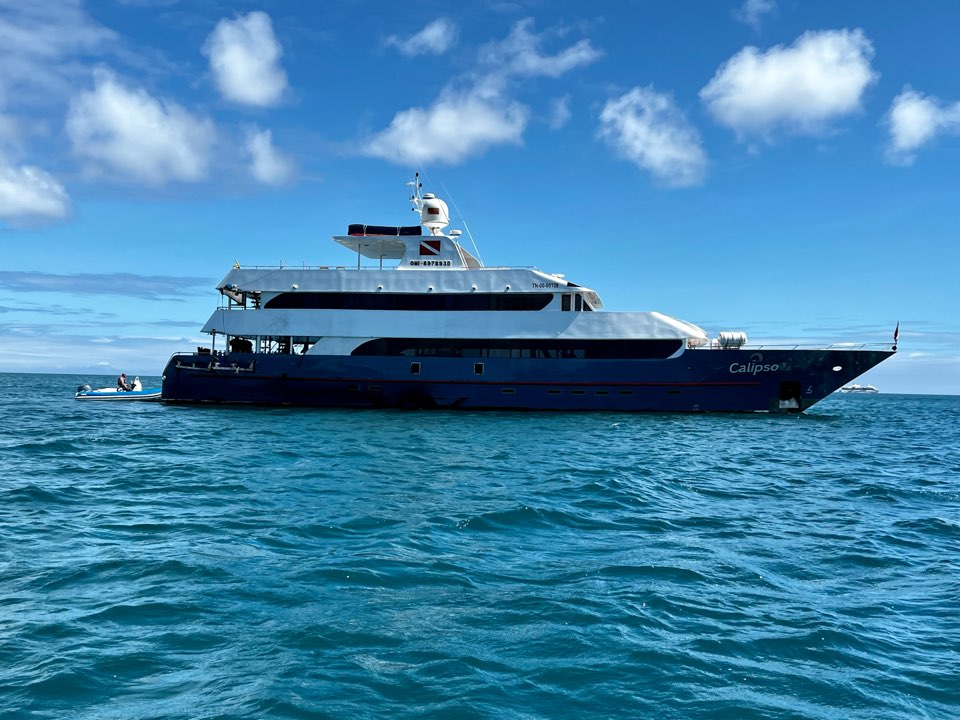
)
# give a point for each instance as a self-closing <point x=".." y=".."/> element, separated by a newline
<point x="170" y="563"/>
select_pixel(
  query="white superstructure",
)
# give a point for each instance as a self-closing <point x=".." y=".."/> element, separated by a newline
<point x="333" y="310"/>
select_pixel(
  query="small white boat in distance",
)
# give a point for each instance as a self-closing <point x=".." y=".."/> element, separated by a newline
<point x="859" y="389"/>
<point x="114" y="393"/>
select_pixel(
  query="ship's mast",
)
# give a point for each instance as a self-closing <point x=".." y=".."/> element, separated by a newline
<point x="417" y="198"/>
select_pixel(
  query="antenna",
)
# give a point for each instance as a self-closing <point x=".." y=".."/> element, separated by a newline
<point x="466" y="227"/>
<point x="417" y="201"/>
<point x="417" y="198"/>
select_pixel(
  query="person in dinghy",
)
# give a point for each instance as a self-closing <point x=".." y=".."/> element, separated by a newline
<point x="123" y="390"/>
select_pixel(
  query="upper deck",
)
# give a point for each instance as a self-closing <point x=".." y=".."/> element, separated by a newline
<point x="413" y="250"/>
<point x="417" y="263"/>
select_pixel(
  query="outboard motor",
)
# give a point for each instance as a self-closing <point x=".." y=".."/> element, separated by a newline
<point x="83" y="388"/>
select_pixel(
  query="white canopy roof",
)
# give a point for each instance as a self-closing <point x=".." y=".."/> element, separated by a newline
<point x="375" y="246"/>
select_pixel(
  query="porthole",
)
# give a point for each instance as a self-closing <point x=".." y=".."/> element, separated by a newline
<point x="415" y="368"/>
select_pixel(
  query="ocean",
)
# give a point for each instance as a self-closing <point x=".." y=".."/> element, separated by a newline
<point x="216" y="562"/>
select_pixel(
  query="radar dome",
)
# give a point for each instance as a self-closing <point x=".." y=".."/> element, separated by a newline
<point x="434" y="213"/>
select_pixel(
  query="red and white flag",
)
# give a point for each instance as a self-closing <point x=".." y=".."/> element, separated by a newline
<point x="430" y="247"/>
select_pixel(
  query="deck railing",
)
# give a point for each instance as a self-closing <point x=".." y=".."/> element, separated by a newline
<point x="806" y="346"/>
<point x="377" y="267"/>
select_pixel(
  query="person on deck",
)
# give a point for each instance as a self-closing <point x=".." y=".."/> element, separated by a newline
<point x="122" y="382"/>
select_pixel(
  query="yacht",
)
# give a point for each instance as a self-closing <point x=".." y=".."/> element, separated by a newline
<point x="859" y="389"/>
<point x="425" y="324"/>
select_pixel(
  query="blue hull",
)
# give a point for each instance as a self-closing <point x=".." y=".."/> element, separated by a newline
<point x="696" y="381"/>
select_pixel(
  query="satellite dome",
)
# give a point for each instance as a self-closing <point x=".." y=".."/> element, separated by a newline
<point x="434" y="213"/>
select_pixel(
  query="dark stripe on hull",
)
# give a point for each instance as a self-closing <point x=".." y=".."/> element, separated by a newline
<point x="696" y="381"/>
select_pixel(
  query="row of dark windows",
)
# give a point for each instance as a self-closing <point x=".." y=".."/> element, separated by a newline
<point x="410" y="301"/>
<point x="521" y="348"/>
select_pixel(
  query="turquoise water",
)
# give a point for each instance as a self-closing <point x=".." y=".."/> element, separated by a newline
<point x="177" y="562"/>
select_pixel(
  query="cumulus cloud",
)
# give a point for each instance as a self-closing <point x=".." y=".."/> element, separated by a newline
<point x="752" y="11"/>
<point x="799" y="88"/>
<point x="519" y="54"/>
<point x="478" y="112"/>
<point x="455" y="127"/>
<point x="646" y="128"/>
<point x="245" y="59"/>
<point x="435" y="39"/>
<point x="267" y="165"/>
<point x="124" y="130"/>
<point x="915" y="120"/>
<point x="30" y="194"/>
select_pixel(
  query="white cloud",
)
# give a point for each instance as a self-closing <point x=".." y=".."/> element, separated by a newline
<point x="915" y="120"/>
<point x="646" y="128"/>
<point x="752" y="11"/>
<point x="478" y="112"/>
<point x="559" y="112"/>
<point x="267" y="165"/>
<point x="455" y="127"/>
<point x="29" y="193"/>
<point x="38" y="28"/>
<point x="245" y="60"/>
<point x="35" y="40"/>
<point x="799" y="88"/>
<point x="130" y="132"/>
<point x="519" y="54"/>
<point x="435" y="39"/>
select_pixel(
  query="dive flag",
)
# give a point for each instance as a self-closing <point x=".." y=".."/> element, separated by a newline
<point x="430" y="247"/>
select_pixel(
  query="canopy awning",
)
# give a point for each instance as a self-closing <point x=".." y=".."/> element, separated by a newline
<point x="374" y="246"/>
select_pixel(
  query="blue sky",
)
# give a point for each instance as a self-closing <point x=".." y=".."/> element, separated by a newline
<point x="790" y="169"/>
